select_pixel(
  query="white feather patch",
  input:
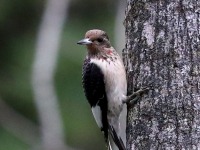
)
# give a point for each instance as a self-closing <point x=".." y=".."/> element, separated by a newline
<point x="96" y="110"/>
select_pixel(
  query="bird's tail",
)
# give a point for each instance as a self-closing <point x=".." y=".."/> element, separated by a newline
<point x="109" y="145"/>
<point x="117" y="140"/>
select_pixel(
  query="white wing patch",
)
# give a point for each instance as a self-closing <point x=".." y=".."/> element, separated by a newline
<point x="96" y="110"/>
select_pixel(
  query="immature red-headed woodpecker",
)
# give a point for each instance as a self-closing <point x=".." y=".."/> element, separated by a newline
<point x="105" y="85"/>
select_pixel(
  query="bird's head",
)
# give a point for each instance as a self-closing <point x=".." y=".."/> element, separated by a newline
<point x="97" y="41"/>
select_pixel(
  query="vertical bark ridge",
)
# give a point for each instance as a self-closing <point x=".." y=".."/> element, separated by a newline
<point x="163" y="48"/>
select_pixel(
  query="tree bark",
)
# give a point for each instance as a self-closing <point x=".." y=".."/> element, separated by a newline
<point x="163" y="50"/>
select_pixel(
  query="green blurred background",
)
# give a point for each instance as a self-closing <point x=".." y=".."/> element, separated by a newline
<point x="19" y="23"/>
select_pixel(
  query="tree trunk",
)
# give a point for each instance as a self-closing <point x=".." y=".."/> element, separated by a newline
<point x="163" y="50"/>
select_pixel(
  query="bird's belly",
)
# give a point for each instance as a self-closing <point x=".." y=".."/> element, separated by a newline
<point x="115" y="104"/>
<point x="116" y="88"/>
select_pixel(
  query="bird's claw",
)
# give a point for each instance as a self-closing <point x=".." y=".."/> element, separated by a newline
<point x="135" y="96"/>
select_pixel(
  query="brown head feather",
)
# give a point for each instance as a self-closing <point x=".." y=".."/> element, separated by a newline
<point x="100" y="41"/>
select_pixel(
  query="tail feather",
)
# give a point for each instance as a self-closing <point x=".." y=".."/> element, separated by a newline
<point x="109" y="145"/>
<point x="118" y="141"/>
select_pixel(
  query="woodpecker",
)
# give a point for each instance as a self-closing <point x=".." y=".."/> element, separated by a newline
<point x="105" y="85"/>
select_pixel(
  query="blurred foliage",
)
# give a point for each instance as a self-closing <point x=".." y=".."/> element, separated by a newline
<point x="9" y="142"/>
<point x="19" y="21"/>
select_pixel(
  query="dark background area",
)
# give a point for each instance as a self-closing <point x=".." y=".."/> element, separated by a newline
<point x="19" y="22"/>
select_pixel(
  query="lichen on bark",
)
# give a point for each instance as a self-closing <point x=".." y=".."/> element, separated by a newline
<point x="163" y="49"/>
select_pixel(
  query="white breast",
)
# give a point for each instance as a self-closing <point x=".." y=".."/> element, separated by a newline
<point x="115" y="81"/>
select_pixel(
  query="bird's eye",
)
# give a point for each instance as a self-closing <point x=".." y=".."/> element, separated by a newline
<point x="100" y="40"/>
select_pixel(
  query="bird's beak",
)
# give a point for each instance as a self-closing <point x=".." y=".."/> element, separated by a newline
<point x="84" y="41"/>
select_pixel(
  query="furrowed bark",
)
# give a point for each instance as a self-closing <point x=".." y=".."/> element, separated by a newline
<point x="163" y="50"/>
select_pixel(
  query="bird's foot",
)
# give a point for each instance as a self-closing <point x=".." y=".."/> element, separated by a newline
<point x="132" y="99"/>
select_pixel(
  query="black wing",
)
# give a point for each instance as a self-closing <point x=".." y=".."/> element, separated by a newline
<point x="94" y="88"/>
